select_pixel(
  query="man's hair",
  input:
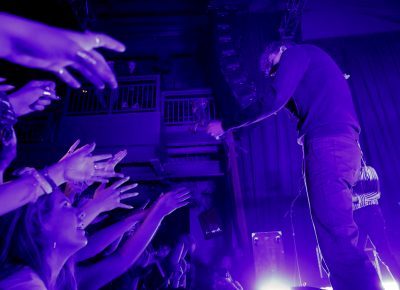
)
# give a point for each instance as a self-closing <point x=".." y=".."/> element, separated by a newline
<point x="272" y="47"/>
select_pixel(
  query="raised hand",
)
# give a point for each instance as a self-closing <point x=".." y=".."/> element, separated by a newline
<point x="112" y="162"/>
<point x="171" y="201"/>
<point x="80" y="166"/>
<point x="36" y="45"/>
<point x="215" y="129"/>
<point x="109" y="166"/>
<point x="34" y="96"/>
<point x="109" y="198"/>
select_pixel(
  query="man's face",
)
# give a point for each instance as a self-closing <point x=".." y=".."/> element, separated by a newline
<point x="273" y="59"/>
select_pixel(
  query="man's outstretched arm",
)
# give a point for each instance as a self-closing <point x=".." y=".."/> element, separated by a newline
<point x="292" y="68"/>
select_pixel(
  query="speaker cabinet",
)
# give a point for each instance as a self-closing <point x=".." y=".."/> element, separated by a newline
<point x="268" y="254"/>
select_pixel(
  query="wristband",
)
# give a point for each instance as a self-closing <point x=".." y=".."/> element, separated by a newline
<point x="49" y="180"/>
<point x="44" y="185"/>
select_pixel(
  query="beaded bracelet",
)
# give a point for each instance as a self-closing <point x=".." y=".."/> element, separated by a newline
<point x="49" y="180"/>
<point x="44" y="185"/>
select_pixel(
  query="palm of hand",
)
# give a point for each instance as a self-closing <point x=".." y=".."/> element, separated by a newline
<point x="78" y="168"/>
<point x="106" y="197"/>
<point x="110" y="198"/>
<point x="169" y="202"/>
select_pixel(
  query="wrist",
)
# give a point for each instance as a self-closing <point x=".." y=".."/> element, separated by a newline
<point x="99" y="205"/>
<point x="40" y="184"/>
<point x="157" y="212"/>
<point x="56" y="173"/>
<point x="49" y="179"/>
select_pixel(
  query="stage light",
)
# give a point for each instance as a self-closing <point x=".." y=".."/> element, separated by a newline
<point x="390" y="285"/>
<point x="273" y="284"/>
<point x="386" y="285"/>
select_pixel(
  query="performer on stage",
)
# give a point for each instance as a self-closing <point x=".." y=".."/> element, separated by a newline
<point x="369" y="218"/>
<point x="309" y="82"/>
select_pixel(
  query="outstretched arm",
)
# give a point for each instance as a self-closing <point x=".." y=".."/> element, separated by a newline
<point x="106" y="199"/>
<point x="103" y="238"/>
<point x="36" y="45"/>
<point x="99" y="274"/>
<point x="276" y="92"/>
<point x="78" y="166"/>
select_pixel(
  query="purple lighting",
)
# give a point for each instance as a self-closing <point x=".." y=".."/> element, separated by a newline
<point x="203" y="144"/>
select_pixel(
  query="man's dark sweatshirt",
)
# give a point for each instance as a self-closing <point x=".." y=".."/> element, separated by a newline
<point x="318" y="93"/>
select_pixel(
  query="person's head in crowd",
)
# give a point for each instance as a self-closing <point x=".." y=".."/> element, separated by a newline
<point x="42" y="236"/>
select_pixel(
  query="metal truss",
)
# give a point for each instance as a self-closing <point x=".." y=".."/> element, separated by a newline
<point x="291" y="20"/>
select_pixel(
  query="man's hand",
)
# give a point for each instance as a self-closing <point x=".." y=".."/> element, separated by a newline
<point x="215" y="129"/>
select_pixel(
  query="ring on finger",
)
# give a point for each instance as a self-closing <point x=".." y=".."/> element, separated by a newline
<point x="97" y="41"/>
<point x="46" y="93"/>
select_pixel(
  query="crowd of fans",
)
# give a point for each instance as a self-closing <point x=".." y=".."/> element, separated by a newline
<point x="54" y="222"/>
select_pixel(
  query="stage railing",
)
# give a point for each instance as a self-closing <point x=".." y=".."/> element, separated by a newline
<point x="134" y="94"/>
<point x="188" y="107"/>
